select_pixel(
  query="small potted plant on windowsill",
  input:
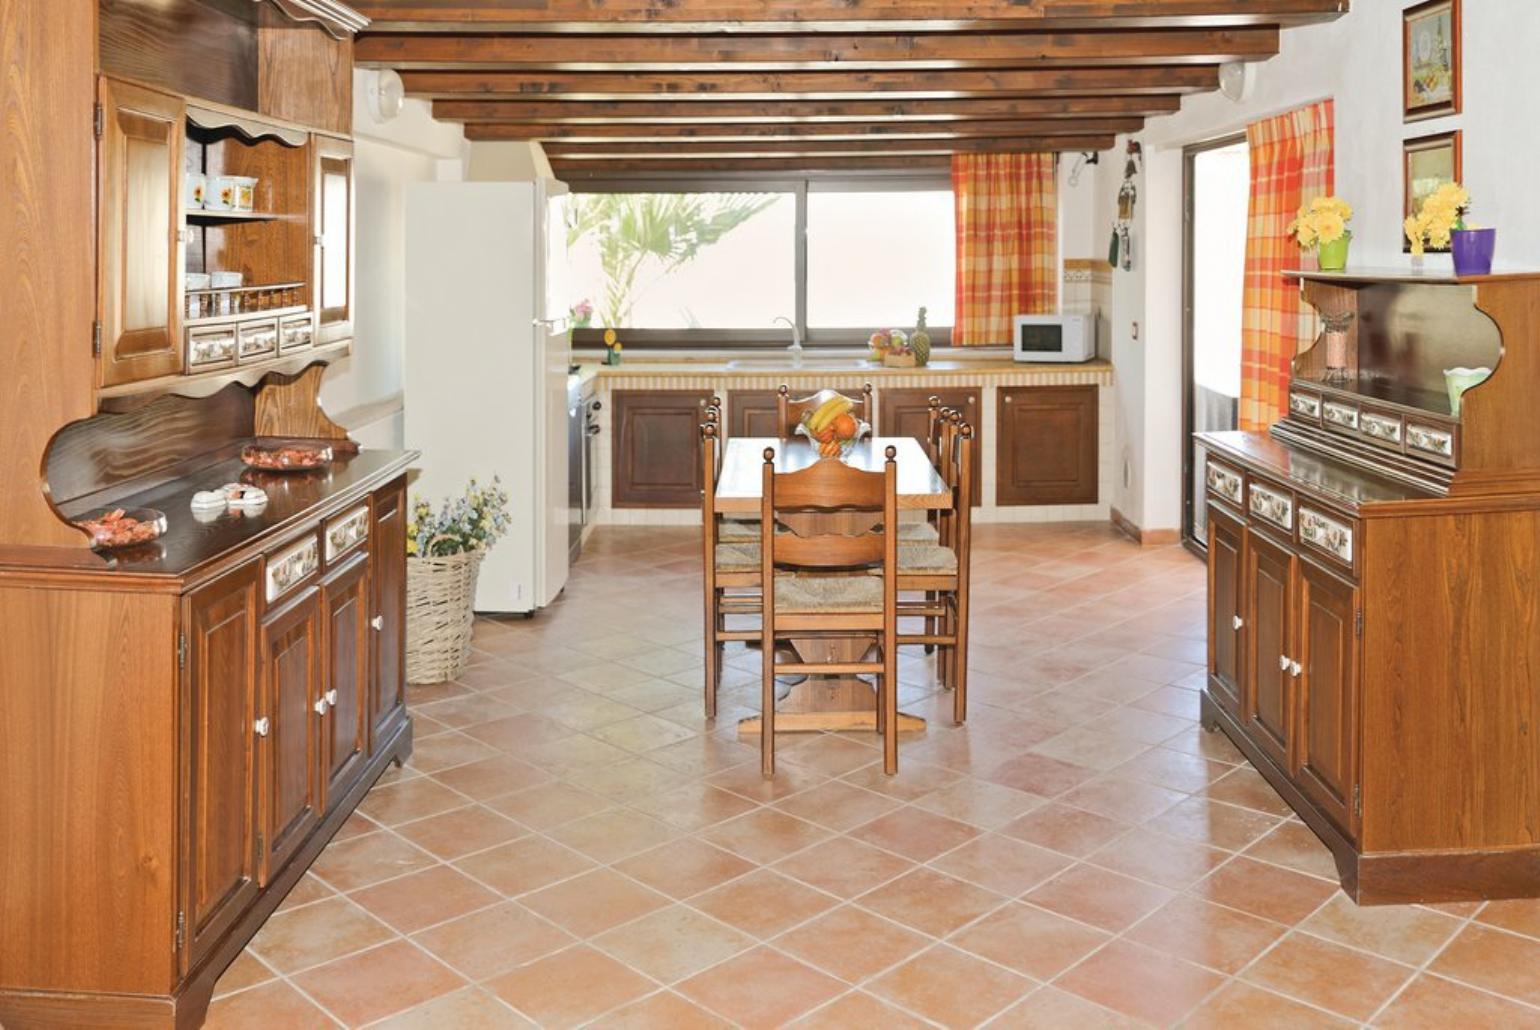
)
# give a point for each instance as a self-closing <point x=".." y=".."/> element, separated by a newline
<point x="444" y="551"/>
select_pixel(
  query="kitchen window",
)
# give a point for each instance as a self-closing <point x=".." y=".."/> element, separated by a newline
<point x="715" y="263"/>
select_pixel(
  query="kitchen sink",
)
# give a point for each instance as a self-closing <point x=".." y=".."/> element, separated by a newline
<point x="784" y="364"/>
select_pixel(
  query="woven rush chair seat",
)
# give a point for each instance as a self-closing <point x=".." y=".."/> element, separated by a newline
<point x="807" y="595"/>
<point x="933" y="558"/>
<point x="917" y="533"/>
<point x="735" y="531"/>
<point x="738" y="557"/>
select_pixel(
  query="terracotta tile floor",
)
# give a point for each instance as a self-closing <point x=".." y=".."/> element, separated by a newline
<point x="573" y="844"/>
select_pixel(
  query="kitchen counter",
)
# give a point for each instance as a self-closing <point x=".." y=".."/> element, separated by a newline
<point x="813" y="364"/>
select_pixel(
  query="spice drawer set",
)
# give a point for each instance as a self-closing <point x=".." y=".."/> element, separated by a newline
<point x="189" y="711"/>
<point x="1374" y="586"/>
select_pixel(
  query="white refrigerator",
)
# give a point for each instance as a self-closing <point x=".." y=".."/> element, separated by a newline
<point x="487" y="356"/>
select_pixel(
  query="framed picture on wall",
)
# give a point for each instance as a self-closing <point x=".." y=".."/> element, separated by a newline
<point x="1430" y="60"/>
<point x="1427" y="163"/>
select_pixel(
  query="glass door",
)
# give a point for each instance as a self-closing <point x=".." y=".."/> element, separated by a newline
<point x="1217" y="183"/>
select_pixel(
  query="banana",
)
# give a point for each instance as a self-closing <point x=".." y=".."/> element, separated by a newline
<point x="828" y="411"/>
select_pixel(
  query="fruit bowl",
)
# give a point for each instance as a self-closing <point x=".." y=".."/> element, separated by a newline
<point x="832" y="428"/>
<point x="112" y="528"/>
<point x="278" y="454"/>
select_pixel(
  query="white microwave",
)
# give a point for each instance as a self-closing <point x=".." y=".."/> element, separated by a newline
<point x="1068" y="337"/>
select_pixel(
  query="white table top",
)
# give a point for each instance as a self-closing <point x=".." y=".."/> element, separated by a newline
<point x="920" y="486"/>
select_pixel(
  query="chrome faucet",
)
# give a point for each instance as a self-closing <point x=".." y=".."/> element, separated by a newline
<point x="795" y="350"/>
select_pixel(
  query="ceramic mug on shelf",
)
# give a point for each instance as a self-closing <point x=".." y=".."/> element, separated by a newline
<point x="220" y="194"/>
<point x="245" y="192"/>
<point x="195" y="185"/>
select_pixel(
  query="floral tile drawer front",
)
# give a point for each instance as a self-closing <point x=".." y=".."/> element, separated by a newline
<point x="1428" y="440"/>
<point x="1381" y="427"/>
<point x="1223" y="482"/>
<point x="288" y="568"/>
<point x="1344" y="415"/>
<point x="1272" y="506"/>
<point x="210" y="348"/>
<point x="1305" y="404"/>
<point x="346" y="532"/>
<point x="1327" y="534"/>
<point x="259" y="340"/>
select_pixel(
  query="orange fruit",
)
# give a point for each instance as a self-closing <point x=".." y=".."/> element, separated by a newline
<point x="844" y="427"/>
<point x="826" y="434"/>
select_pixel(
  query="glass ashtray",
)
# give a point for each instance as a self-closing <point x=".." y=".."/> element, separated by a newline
<point x="273" y="454"/>
<point x="111" y="528"/>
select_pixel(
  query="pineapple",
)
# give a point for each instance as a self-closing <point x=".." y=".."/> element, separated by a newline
<point x="919" y="342"/>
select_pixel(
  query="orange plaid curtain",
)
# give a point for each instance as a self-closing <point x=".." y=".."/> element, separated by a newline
<point x="1007" y="243"/>
<point x="1291" y="161"/>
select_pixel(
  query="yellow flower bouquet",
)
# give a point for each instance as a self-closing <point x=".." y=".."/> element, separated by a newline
<point x="1442" y="212"/>
<point x="1322" y="224"/>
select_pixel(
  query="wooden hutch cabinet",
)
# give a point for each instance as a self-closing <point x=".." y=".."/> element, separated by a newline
<point x="184" y="723"/>
<point x="1374" y="581"/>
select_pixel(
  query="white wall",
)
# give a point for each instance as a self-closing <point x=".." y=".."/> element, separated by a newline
<point x="363" y="391"/>
<point x="487" y="161"/>
<point x="1357" y="61"/>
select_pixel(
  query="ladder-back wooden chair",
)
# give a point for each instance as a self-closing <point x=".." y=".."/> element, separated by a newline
<point x="734" y="529"/>
<point x="831" y="585"/>
<point x="941" y="570"/>
<point x="790" y="410"/>
<point x="730" y="568"/>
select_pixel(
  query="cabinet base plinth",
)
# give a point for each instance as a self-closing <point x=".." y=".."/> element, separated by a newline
<point x="187" y="1006"/>
<point x="1393" y="877"/>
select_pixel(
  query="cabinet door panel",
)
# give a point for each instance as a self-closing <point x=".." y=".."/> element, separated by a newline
<point x="221" y="819"/>
<point x="346" y="604"/>
<point x="1269" y="695"/>
<point x="292" y="673"/>
<point x="387" y="658"/>
<point x="656" y="461"/>
<point x="140" y="288"/>
<point x="907" y="413"/>
<point x="1226" y="627"/>
<point x="1328" y="692"/>
<point x="753" y="413"/>
<point x="333" y="210"/>
<point x="1046" y="446"/>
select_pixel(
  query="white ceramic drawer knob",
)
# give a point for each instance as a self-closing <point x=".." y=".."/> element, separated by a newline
<point x="1283" y="662"/>
<point x="1237" y="622"/>
<point x="320" y="706"/>
<point x="378" y="622"/>
<point x="262" y="725"/>
<point x="331" y="698"/>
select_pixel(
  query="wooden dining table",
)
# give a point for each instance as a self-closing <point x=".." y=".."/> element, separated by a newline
<point x="817" y="703"/>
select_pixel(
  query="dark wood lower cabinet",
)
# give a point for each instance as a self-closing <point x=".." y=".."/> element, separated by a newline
<point x="753" y="413"/>
<point x="1046" y="445"/>
<point x="1268" y="700"/>
<point x="220" y="771"/>
<point x="289" y="728"/>
<point x="387" y="653"/>
<point x="656" y="445"/>
<point x="1226" y="621"/>
<point x="345" y="731"/>
<point x="1326" y="762"/>
<point x="179" y="752"/>
<point x="907" y="413"/>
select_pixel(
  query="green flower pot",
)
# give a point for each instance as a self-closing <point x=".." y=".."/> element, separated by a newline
<point x="1333" y="256"/>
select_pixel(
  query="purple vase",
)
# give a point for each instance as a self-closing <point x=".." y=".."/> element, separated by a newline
<point x="1472" y="250"/>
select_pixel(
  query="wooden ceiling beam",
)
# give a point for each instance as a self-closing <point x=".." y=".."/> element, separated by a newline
<point x="818" y="131"/>
<point x="662" y="16"/>
<point x="670" y="170"/>
<point x="811" y="86"/>
<point x="812" y="52"/>
<point x="812" y="148"/>
<point x="669" y="112"/>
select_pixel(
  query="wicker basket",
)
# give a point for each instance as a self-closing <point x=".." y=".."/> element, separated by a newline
<point x="440" y="593"/>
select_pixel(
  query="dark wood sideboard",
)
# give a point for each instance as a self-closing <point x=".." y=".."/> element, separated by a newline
<point x="184" y="724"/>
<point x="1374" y="588"/>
